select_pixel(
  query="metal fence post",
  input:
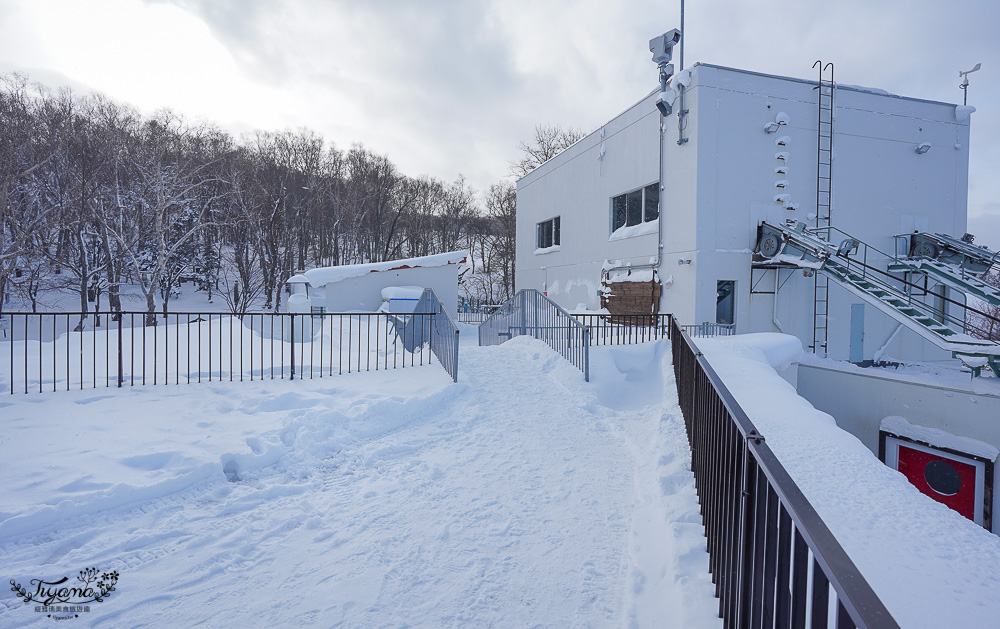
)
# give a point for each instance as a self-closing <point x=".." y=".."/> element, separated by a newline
<point x="455" y="358"/>
<point x="293" y="347"/>
<point x="524" y="313"/>
<point x="586" y="355"/>
<point x="119" y="351"/>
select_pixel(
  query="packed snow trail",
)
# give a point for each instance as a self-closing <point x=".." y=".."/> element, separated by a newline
<point x="521" y="496"/>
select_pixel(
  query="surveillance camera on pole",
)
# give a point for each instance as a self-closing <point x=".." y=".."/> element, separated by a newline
<point x="965" y="82"/>
<point x="662" y="48"/>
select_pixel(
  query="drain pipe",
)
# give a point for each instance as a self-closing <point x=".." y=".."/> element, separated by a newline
<point x="774" y="312"/>
<point x="661" y="55"/>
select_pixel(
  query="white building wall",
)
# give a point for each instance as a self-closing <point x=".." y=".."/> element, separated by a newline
<point x="719" y="184"/>
<point x="881" y="187"/>
<point x="577" y="186"/>
<point x="365" y="292"/>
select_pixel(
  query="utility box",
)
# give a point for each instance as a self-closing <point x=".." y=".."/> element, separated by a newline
<point x="955" y="471"/>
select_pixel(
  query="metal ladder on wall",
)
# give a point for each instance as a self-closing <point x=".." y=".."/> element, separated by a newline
<point x="824" y="193"/>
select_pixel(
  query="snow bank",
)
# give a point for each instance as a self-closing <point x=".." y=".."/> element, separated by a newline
<point x="630" y="275"/>
<point x="631" y="231"/>
<point x="963" y="112"/>
<point x="402" y="292"/>
<point x="939" y="438"/>
<point x="331" y="274"/>
<point x="928" y="564"/>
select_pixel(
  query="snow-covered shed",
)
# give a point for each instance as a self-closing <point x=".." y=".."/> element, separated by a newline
<point x="360" y="286"/>
<point x="667" y="208"/>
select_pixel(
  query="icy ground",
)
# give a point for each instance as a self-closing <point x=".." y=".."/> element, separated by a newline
<point x="520" y="496"/>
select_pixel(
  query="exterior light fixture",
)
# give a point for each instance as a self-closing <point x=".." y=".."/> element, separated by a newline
<point x="771" y="127"/>
<point x="923" y="148"/>
<point x="683" y="261"/>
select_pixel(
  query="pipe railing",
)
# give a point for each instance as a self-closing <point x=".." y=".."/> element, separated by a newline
<point x="773" y="560"/>
<point x="530" y="313"/>
<point x="52" y="351"/>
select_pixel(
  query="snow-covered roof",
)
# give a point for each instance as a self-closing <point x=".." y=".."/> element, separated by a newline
<point x="332" y="274"/>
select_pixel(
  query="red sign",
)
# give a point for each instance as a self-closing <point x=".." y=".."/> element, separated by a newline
<point x="948" y="481"/>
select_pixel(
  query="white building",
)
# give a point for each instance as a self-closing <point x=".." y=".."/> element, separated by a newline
<point x="357" y="287"/>
<point x="683" y="196"/>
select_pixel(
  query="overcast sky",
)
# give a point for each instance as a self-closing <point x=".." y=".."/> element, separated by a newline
<point x="450" y="87"/>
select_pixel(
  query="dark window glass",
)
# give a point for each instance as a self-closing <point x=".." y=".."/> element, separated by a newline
<point x="725" y="301"/>
<point x="634" y="210"/>
<point x="617" y="212"/>
<point x="548" y="233"/>
<point x="652" y="202"/>
<point x="942" y="477"/>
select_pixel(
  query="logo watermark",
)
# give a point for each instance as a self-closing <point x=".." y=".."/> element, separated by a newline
<point x="62" y="599"/>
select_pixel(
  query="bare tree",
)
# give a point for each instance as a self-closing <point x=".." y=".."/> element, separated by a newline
<point x="173" y="196"/>
<point x="987" y="325"/>
<point x="547" y="142"/>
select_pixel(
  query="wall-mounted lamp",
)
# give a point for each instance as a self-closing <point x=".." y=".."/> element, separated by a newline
<point x="771" y="127"/>
<point x="923" y="148"/>
<point x="683" y="261"/>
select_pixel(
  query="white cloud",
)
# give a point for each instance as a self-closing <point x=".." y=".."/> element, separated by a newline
<point x="447" y="88"/>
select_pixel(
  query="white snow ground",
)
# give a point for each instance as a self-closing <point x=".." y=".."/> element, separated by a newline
<point x="521" y="496"/>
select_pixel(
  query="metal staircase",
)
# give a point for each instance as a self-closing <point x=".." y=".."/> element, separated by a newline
<point x="853" y="265"/>
<point x="951" y="276"/>
<point x="824" y="198"/>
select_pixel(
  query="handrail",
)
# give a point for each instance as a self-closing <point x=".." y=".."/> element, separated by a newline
<point x="50" y="351"/>
<point x="530" y="313"/>
<point x="761" y="529"/>
<point x="443" y="334"/>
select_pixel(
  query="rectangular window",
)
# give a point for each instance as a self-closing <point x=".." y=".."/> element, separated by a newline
<point x="547" y="233"/>
<point x="634" y="200"/>
<point x="725" y="301"/>
<point x="618" y="212"/>
<point x="652" y="203"/>
<point x="635" y="207"/>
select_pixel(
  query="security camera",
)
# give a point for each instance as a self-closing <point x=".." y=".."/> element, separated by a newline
<point x="662" y="46"/>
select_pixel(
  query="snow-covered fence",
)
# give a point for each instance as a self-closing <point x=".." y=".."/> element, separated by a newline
<point x="772" y="558"/>
<point x="709" y="329"/>
<point x="625" y="329"/>
<point x="530" y="313"/>
<point x="47" y="352"/>
<point x="474" y="310"/>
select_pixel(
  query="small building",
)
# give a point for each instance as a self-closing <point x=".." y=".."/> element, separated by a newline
<point x="661" y="213"/>
<point x="356" y="287"/>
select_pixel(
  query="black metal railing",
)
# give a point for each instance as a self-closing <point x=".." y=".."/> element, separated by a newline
<point x="51" y="351"/>
<point x="530" y="313"/>
<point x="443" y="332"/>
<point x="474" y="310"/>
<point x="773" y="560"/>
<point x="625" y="329"/>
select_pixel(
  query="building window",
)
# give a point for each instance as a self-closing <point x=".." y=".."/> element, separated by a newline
<point x="547" y="233"/>
<point x="725" y="301"/>
<point x="635" y="207"/>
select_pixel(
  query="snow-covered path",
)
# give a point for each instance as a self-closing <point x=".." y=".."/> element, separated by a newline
<point x="520" y="496"/>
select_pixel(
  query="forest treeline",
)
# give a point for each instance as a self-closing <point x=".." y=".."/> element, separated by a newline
<point x="95" y="196"/>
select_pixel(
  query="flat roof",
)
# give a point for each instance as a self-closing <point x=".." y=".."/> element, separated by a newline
<point x="840" y="86"/>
